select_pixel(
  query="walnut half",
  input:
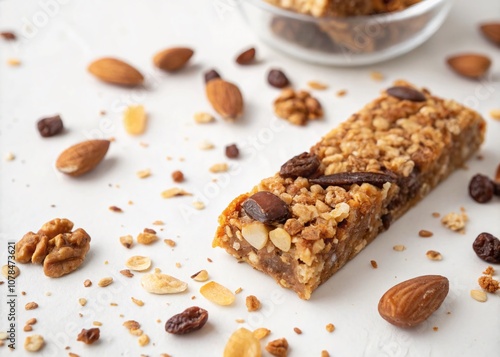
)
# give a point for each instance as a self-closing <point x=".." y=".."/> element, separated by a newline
<point x="60" y="250"/>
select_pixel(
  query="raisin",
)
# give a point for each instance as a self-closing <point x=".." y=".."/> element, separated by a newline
<point x="50" y="126"/>
<point x="178" y="176"/>
<point x="303" y="165"/>
<point x="89" y="336"/>
<point x="191" y="319"/>
<point x="406" y="93"/>
<point x="277" y="79"/>
<point x="481" y="188"/>
<point x="266" y="208"/>
<point x="347" y="179"/>
<point x="487" y="247"/>
<point x="232" y="151"/>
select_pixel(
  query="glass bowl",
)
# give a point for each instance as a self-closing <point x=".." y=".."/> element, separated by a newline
<point x="345" y="41"/>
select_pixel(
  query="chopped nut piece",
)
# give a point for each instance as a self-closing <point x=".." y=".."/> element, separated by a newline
<point x="127" y="241"/>
<point x="31" y="306"/>
<point x="178" y="176"/>
<point x="146" y="238"/>
<point x="203" y="118"/>
<point x="202" y="275"/>
<point x="87" y="283"/>
<point x="169" y="242"/>
<point x="242" y="343"/>
<point x="436" y="214"/>
<point x="297" y="107"/>
<point x="82" y="301"/>
<point x="135" y="119"/>
<point x="173" y="192"/>
<point x="31" y="321"/>
<point x="198" y="205"/>
<point x="261" y="333"/>
<point x="138" y="263"/>
<point x="34" y="343"/>
<point x="330" y="327"/>
<point x="8" y="35"/>
<point x="489" y="271"/>
<point x="374" y="264"/>
<point x="455" y="221"/>
<point x="399" y="247"/>
<point x="105" y="282"/>
<point x="158" y="223"/>
<point x="28" y="328"/>
<point x="143" y="340"/>
<point x="218" y="168"/>
<point x="278" y="348"/>
<point x="131" y="324"/>
<point x="217" y="293"/>
<point x="297" y="330"/>
<point x="143" y="173"/>
<point x="479" y="295"/>
<point x="158" y="283"/>
<point x="246" y="57"/>
<point x="137" y="301"/>
<point x="240" y="321"/>
<point x="253" y="304"/>
<point x="317" y="85"/>
<point x="239" y="290"/>
<point x="433" y="255"/>
<point x="425" y="233"/>
<point x="10" y="272"/>
<point x="89" y="336"/>
<point x="341" y="93"/>
<point x="489" y="284"/>
<point x="127" y="273"/>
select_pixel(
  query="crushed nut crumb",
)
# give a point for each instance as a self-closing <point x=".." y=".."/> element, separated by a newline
<point x="261" y="333"/>
<point x="115" y="209"/>
<point x="399" y="247"/>
<point x="455" y="221"/>
<point x="278" y="348"/>
<point x="425" y="233"/>
<point x="488" y="283"/>
<point x="143" y="340"/>
<point x="374" y="264"/>
<point x="137" y="301"/>
<point x="198" y="205"/>
<point x="82" y="301"/>
<point x="218" y="168"/>
<point x="252" y="303"/>
<point x="105" y="282"/>
<point x="495" y="114"/>
<point x="31" y="306"/>
<point x="127" y="241"/>
<point x="203" y="118"/>
<point x="143" y="173"/>
<point x="433" y="255"/>
<point x="169" y="242"/>
<point x="174" y="192"/>
<point x="489" y="271"/>
<point x="376" y="76"/>
<point x="317" y="85"/>
<point x="297" y="330"/>
<point x="330" y="327"/>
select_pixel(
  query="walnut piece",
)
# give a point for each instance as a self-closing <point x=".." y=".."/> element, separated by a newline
<point x="60" y="250"/>
<point x="278" y="348"/>
<point x="297" y="107"/>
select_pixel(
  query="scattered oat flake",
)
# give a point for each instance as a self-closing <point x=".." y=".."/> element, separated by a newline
<point x="135" y="119"/>
<point x="242" y="343"/>
<point x="330" y="327"/>
<point x="374" y="264"/>
<point x="220" y="167"/>
<point x="31" y="306"/>
<point x="105" y="282"/>
<point x="137" y="301"/>
<point x="169" y="242"/>
<point x="158" y="283"/>
<point x="14" y="62"/>
<point x="495" y="114"/>
<point x="399" y="247"/>
<point x="479" y="295"/>
<point x="455" y="221"/>
<point x="261" y="333"/>
<point x="198" y="205"/>
<point x="317" y="85"/>
<point x="203" y="118"/>
<point x="115" y="209"/>
<point x="217" y="293"/>
<point x="138" y="263"/>
<point x="9" y="156"/>
<point x="376" y="76"/>
<point x="425" y="233"/>
<point x="173" y="192"/>
<point x="143" y="173"/>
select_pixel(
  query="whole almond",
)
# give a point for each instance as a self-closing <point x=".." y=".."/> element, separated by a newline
<point x="172" y="59"/>
<point x="246" y="57"/>
<point x="115" y="71"/>
<point x="411" y="302"/>
<point x="83" y="157"/>
<point x="225" y="98"/>
<point x="492" y="32"/>
<point x="470" y="65"/>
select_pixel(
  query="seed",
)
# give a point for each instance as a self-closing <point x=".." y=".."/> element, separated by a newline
<point x="31" y="321"/>
<point x="217" y="293"/>
<point x="232" y="151"/>
<point x="374" y="264"/>
<point x="330" y="327"/>
<point x="34" y="343"/>
<point x="115" y="209"/>
<point x="138" y="263"/>
<point x="105" y="282"/>
<point x="50" y="126"/>
<point x="28" y="328"/>
<point x="277" y="79"/>
<point x="246" y="57"/>
<point x="297" y="330"/>
<point x="266" y="207"/>
<point x="191" y="319"/>
<point x="479" y="295"/>
<point x="127" y="273"/>
<point x="406" y="93"/>
<point x="481" y="188"/>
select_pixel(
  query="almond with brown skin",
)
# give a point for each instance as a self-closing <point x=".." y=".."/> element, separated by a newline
<point x="115" y="71"/>
<point x="470" y="65"/>
<point x="225" y="98"/>
<point x="492" y="32"/>
<point x="411" y="302"/>
<point x="246" y="57"/>
<point x="172" y="59"/>
<point x="83" y="157"/>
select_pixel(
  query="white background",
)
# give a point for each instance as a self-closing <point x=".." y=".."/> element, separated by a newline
<point x="53" y="80"/>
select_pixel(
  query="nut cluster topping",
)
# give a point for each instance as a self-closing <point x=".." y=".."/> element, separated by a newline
<point x="59" y="249"/>
<point x="297" y="107"/>
<point x="191" y="319"/>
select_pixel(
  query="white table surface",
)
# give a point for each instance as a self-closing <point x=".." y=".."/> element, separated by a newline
<point x="52" y="79"/>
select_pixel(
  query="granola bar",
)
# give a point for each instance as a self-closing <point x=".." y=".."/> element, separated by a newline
<point x="304" y="223"/>
<point x="321" y="8"/>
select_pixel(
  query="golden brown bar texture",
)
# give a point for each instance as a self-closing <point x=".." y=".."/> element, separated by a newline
<point x="303" y="224"/>
<point x="321" y="8"/>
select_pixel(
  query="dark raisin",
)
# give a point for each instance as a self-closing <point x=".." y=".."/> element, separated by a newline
<point x="481" y="188"/>
<point x="487" y="247"/>
<point x="9" y="36"/>
<point x="246" y="57"/>
<point x="212" y="74"/>
<point x="347" y="179"/>
<point x="50" y="126"/>
<point x="191" y="319"/>
<point x="277" y="79"/>
<point x="265" y="207"/>
<point x="303" y="165"/>
<point x="232" y="151"/>
<point x="406" y="93"/>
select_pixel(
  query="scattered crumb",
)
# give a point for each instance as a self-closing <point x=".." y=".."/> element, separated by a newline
<point x="31" y="306"/>
<point x="325" y="353"/>
<point x="425" y="233"/>
<point x="87" y="283"/>
<point x="489" y="284"/>
<point x="9" y="156"/>
<point x="232" y="151"/>
<point x="252" y="303"/>
<point x="399" y="247"/>
<point x="28" y="328"/>
<point x="105" y="282"/>
<point x="479" y="295"/>
<point x="173" y="192"/>
<point x="374" y="264"/>
<point x="178" y="265"/>
<point x="239" y="290"/>
<point x="297" y="330"/>
<point x="82" y="301"/>
<point x="495" y="114"/>
<point x="209" y="260"/>
<point x="317" y="85"/>
<point x="14" y="62"/>
<point x="330" y="327"/>
<point x="158" y="223"/>
<point x="220" y="167"/>
<point x="31" y="321"/>
<point x="376" y="76"/>
<point x="143" y="173"/>
<point x="127" y="241"/>
<point x="489" y="271"/>
<point x="147" y="237"/>
<point x="341" y="93"/>
<point x="455" y="221"/>
<point x="203" y="118"/>
<point x="435" y="328"/>
<point x="137" y="301"/>
<point x="178" y="176"/>
<point x="8" y="35"/>
<point x="434" y="255"/>
<point x="127" y="273"/>
<point x="278" y="348"/>
<point x="198" y="205"/>
<point x="115" y="209"/>
<point x="143" y="340"/>
<point x="261" y="333"/>
<point x="206" y="145"/>
<point x="436" y="214"/>
<point x="97" y="323"/>
<point x="240" y="321"/>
